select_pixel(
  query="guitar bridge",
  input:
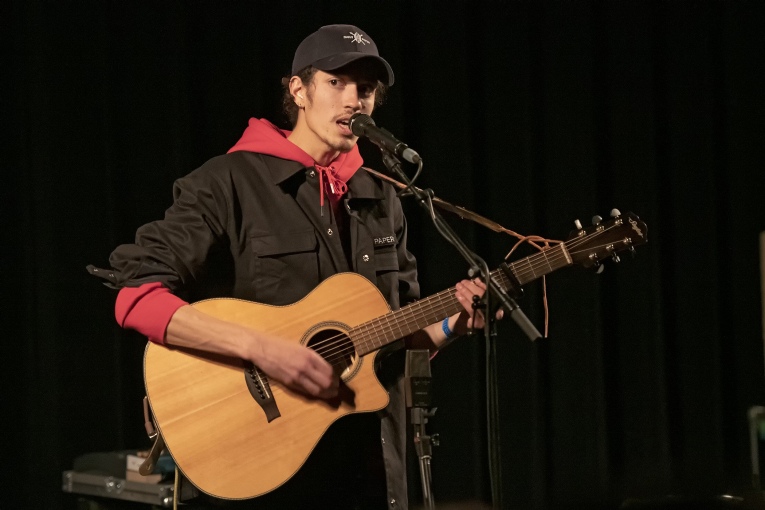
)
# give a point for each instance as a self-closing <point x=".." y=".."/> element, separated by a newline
<point x="257" y="383"/>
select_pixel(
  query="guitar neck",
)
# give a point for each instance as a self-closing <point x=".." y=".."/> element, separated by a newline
<point x="372" y="335"/>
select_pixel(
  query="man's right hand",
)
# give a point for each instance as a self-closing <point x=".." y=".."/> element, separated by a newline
<point x="297" y="366"/>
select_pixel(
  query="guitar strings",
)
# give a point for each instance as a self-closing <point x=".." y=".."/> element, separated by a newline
<point x="338" y="352"/>
<point x="356" y="336"/>
<point x="329" y="346"/>
<point x="378" y="325"/>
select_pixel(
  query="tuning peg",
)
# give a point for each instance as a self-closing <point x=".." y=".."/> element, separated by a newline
<point x="600" y="268"/>
<point x="615" y="213"/>
<point x="578" y="224"/>
<point x="615" y="258"/>
<point x="632" y="250"/>
<point x="596" y="220"/>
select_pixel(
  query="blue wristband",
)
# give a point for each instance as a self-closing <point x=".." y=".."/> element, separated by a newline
<point x="447" y="331"/>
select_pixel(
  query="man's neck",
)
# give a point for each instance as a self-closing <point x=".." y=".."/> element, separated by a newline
<point x="321" y="155"/>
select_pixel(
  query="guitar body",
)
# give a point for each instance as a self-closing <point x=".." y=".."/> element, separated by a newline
<point x="218" y="434"/>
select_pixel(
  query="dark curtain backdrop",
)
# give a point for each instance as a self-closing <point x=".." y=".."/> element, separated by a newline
<point x="533" y="114"/>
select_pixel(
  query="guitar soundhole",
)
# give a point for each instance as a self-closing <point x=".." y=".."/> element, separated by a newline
<point x="337" y="348"/>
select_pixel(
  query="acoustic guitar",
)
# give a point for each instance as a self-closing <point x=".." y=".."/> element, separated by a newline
<point x="235" y="434"/>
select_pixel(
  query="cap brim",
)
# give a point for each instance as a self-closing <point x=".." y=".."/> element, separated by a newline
<point x="341" y="59"/>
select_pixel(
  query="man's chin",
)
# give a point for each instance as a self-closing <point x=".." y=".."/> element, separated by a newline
<point x="346" y="146"/>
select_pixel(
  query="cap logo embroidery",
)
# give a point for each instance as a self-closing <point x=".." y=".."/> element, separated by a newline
<point x="356" y="38"/>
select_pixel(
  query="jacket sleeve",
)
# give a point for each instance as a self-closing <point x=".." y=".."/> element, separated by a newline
<point x="174" y="251"/>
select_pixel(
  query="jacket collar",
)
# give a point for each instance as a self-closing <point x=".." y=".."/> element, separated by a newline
<point x="361" y="185"/>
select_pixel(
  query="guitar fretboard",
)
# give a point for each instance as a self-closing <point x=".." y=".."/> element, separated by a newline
<point x="377" y="333"/>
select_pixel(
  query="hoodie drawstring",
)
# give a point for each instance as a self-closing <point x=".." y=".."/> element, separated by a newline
<point x="336" y="186"/>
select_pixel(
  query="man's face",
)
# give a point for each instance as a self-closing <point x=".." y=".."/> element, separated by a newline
<point x="330" y="100"/>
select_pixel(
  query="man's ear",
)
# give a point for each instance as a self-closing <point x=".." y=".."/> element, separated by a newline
<point x="296" y="87"/>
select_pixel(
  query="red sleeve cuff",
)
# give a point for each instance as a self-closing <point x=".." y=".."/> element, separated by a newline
<point x="147" y="309"/>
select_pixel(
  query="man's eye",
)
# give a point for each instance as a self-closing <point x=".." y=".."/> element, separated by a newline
<point x="334" y="82"/>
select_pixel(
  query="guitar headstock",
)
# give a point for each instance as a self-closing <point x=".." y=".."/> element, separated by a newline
<point x="604" y="239"/>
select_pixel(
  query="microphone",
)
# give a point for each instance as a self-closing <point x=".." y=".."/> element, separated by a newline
<point x="362" y="124"/>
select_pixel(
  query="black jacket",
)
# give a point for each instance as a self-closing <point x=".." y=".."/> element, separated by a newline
<point x="250" y="226"/>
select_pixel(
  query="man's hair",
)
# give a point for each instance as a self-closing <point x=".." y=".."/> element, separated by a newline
<point x="306" y="75"/>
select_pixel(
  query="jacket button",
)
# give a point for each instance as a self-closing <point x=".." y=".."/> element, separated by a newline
<point x="365" y="258"/>
<point x="329" y="232"/>
<point x="311" y="174"/>
<point x="392" y="502"/>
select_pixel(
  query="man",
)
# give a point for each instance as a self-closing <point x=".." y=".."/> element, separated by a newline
<point x="268" y="222"/>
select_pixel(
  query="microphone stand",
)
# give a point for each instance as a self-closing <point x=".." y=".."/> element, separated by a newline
<point x="477" y="267"/>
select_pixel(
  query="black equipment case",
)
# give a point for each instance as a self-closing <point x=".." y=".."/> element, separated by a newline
<point x="157" y="494"/>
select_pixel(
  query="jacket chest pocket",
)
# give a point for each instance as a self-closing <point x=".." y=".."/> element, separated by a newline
<point x="285" y="266"/>
<point x="386" y="259"/>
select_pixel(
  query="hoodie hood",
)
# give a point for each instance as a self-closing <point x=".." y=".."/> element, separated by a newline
<point x="265" y="138"/>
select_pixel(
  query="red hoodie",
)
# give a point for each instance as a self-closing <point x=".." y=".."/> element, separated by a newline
<point x="149" y="308"/>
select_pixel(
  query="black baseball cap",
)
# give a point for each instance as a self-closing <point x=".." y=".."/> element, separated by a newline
<point x="333" y="46"/>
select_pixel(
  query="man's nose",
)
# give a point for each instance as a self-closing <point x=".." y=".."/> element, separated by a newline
<point x="352" y="97"/>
